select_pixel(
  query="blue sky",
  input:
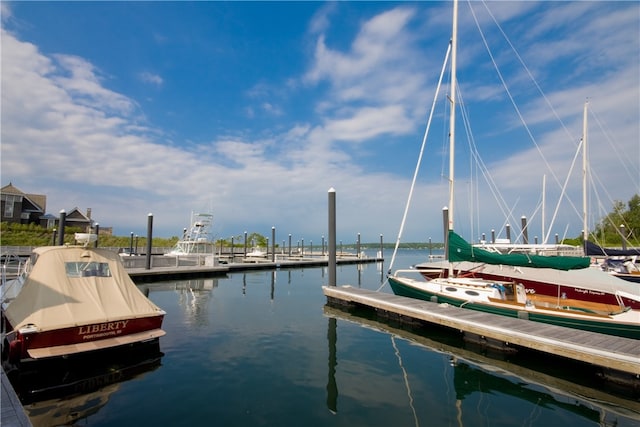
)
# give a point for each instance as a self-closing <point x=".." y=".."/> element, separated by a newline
<point x="254" y="110"/>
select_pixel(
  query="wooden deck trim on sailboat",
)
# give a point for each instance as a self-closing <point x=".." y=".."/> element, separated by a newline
<point x="619" y="353"/>
<point x="597" y="307"/>
<point x="539" y="304"/>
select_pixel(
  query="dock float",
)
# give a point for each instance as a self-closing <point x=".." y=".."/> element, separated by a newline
<point x="618" y="355"/>
<point x="140" y="274"/>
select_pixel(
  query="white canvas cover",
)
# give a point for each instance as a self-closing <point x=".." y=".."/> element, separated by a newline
<point x="50" y="299"/>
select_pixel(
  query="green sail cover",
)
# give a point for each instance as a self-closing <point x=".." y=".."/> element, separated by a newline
<point x="460" y="250"/>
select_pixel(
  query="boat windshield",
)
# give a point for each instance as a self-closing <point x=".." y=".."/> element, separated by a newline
<point x="86" y="269"/>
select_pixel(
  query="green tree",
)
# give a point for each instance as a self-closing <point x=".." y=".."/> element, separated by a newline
<point x="253" y="239"/>
<point x="608" y="229"/>
<point x="256" y="239"/>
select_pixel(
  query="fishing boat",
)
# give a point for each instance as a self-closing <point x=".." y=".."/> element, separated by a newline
<point x="197" y="239"/>
<point x="507" y="297"/>
<point x="74" y="299"/>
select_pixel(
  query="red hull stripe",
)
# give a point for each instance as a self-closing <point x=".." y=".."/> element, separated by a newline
<point x="86" y="334"/>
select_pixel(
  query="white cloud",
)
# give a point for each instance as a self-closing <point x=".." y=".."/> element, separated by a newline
<point x="5" y="11"/>
<point x="377" y="86"/>
<point x="148" y="77"/>
<point x="367" y="123"/>
<point x="82" y="152"/>
<point x="379" y="42"/>
<point x="321" y="20"/>
<point x="66" y="134"/>
<point x="272" y="109"/>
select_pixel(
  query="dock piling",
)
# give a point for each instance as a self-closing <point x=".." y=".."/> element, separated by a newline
<point x="332" y="237"/>
<point x="273" y="244"/>
<point x="63" y="219"/>
<point x="149" y="240"/>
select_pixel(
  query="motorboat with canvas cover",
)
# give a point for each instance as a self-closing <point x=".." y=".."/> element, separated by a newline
<point x="71" y="300"/>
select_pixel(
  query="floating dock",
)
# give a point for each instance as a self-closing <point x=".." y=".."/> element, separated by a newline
<point x="618" y="356"/>
<point x="156" y="273"/>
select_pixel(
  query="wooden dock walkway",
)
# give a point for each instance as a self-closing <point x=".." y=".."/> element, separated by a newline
<point x="614" y="353"/>
<point x="13" y="414"/>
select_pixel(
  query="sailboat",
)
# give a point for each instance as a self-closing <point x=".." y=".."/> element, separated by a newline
<point x="507" y="297"/>
<point x="598" y="285"/>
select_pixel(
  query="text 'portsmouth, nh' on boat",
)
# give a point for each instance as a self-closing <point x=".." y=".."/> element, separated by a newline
<point x="74" y="300"/>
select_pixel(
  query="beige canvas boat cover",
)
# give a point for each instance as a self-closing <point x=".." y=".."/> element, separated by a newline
<point x="58" y="294"/>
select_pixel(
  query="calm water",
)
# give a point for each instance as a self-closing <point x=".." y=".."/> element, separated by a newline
<point x="261" y="348"/>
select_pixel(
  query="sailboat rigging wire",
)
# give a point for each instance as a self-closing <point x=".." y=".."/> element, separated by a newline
<point x="504" y="84"/>
<point x="507" y="216"/>
<point x="595" y="178"/>
<point x="517" y="110"/>
<point x="475" y="155"/>
<point x="566" y="229"/>
<point x="424" y="143"/>
<point x="622" y="160"/>
<point x="382" y="285"/>
<point x="533" y="80"/>
<point x="564" y="189"/>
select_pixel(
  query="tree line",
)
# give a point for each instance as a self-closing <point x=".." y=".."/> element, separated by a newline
<point x="35" y="235"/>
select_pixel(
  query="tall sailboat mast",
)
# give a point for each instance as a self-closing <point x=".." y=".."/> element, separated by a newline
<point x="544" y="197"/>
<point x="585" y="230"/>
<point x="452" y="100"/>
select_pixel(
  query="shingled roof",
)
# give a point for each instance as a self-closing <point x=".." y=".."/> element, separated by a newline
<point x="39" y="201"/>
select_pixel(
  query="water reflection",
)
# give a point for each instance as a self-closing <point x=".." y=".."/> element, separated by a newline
<point x="65" y="391"/>
<point x="251" y="349"/>
<point x="474" y="377"/>
<point x="332" y="386"/>
<point x="193" y="296"/>
<point x="258" y="279"/>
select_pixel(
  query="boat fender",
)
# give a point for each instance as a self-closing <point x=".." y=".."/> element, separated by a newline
<point x="15" y="350"/>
